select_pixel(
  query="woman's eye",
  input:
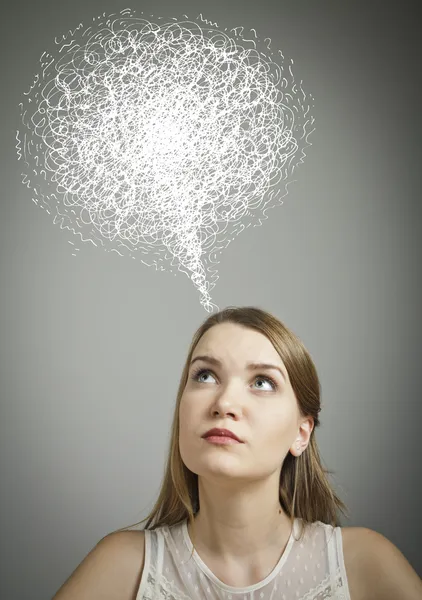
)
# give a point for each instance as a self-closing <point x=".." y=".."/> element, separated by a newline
<point x="267" y="381"/>
<point x="200" y="374"/>
<point x="203" y="375"/>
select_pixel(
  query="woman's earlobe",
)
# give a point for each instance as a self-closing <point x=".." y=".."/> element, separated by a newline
<point x="296" y="451"/>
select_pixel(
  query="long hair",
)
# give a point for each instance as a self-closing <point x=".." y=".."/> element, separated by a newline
<point x="305" y="491"/>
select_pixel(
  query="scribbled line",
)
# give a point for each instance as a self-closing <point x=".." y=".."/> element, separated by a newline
<point x="206" y="21"/>
<point x="33" y="85"/>
<point x="46" y="66"/>
<point x="66" y="45"/>
<point x="251" y="41"/>
<point x="238" y="31"/>
<point x="165" y="139"/>
<point x="18" y="146"/>
<point x="70" y="32"/>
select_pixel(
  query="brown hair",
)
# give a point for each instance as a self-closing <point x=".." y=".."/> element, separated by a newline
<point x="305" y="491"/>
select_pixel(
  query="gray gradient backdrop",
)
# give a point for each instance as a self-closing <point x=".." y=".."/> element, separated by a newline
<point x="92" y="346"/>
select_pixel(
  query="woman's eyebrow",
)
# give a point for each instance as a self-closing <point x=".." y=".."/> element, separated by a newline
<point x="249" y="366"/>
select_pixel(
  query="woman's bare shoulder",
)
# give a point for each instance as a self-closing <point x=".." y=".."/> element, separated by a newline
<point x="351" y="538"/>
<point x="133" y="539"/>
<point x="112" y="569"/>
<point x="375" y="567"/>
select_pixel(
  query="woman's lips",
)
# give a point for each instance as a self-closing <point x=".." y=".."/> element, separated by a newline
<point x="222" y="432"/>
<point x="219" y="439"/>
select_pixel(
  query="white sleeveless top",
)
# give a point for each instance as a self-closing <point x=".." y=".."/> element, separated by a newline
<point x="310" y="569"/>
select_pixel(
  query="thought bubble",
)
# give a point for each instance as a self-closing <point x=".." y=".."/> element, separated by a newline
<point x="162" y="139"/>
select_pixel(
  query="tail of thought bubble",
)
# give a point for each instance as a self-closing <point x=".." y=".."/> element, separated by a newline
<point x="191" y="255"/>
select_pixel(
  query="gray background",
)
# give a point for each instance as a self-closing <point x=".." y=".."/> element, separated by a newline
<point x="92" y="346"/>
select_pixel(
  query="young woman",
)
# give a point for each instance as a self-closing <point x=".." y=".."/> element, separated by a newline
<point x="245" y="510"/>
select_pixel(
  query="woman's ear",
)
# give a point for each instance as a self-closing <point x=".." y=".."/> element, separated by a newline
<point x="304" y="435"/>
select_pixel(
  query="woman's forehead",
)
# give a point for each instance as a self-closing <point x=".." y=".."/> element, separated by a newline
<point x="228" y="339"/>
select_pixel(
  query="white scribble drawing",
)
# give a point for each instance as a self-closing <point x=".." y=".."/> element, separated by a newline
<point x="162" y="139"/>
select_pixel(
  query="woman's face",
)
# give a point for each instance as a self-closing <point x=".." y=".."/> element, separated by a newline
<point x="256" y="403"/>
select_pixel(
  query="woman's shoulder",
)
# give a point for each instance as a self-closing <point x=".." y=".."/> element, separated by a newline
<point x="135" y="537"/>
<point x="131" y="544"/>
<point x="352" y="540"/>
<point x="129" y="540"/>
<point x="112" y="569"/>
<point x="375" y="567"/>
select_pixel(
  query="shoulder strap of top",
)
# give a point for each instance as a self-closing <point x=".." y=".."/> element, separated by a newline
<point x="147" y="565"/>
<point x="342" y="567"/>
<point x="153" y="563"/>
<point x="332" y="557"/>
